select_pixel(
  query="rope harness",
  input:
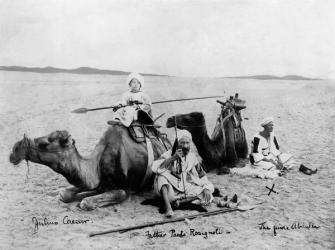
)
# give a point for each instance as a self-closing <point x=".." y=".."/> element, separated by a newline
<point x="26" y="145"/>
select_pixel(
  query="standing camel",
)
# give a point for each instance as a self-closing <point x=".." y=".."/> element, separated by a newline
<point x="116" y="166"/>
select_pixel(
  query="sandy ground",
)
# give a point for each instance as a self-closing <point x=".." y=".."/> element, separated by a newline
<point x="38" y="104"/>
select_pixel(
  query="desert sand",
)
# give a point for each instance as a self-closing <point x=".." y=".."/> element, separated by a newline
<point x="37" y="104"/>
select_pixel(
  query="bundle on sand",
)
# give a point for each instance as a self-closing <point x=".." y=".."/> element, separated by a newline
<point x="251" y="171"/>
<point x="262" y="171"/>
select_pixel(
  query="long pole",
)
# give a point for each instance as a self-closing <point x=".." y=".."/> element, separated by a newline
<point x="125" y="229"/>
<point x="85" y="110"/>
<point x="187" y="99"/>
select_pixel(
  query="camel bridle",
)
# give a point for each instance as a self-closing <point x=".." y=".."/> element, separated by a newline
<point x="231" y="112"/>
<point x="28" y="147"/>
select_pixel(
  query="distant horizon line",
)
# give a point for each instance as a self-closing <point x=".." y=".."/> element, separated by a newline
<point x="91" y="71"/>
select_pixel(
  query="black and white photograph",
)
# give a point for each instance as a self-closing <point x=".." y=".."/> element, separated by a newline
<point x="167" y="124"/>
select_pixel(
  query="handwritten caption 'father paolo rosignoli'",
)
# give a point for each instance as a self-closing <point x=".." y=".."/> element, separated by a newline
<point x="184" y="233"/>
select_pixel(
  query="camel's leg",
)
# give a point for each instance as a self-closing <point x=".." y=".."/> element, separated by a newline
<point x="68" y="194"/>
<point x="230" y="144"/>
<point x="165" y="194"/>
<point x="75" y="194"/>
<point x="242" y="149"/>
<point x="104" y="199"/>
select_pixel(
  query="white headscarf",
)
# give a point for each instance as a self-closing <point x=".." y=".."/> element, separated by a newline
<point x="137" y="76"/>
<point x="184" y="134"/>
<point x="267" y="121"/>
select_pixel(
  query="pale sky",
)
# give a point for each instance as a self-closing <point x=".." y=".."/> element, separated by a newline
<point x="182" y="38"/>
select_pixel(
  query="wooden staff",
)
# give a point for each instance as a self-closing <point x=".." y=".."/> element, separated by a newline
<point x="151" y="224"/>
<point x="85" y="110"/>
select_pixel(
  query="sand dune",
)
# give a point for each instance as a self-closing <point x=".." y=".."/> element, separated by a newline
<point x="38" y="104"/>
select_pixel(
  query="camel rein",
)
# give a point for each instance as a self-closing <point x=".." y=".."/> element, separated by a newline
<point x="28" y="147"/>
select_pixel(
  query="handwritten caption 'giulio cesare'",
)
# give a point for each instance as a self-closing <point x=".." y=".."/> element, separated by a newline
<point x="66" y="220"/>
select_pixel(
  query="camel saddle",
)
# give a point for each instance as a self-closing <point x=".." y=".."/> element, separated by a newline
<point x="239" y="104"/>
<point x="143" y="128"/>
<point x="139" y="131"/>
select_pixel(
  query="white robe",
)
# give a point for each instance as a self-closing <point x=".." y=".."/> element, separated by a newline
<point x="267" y="149"/>
<point x="129" y="114"/>
<point x="194" y="185"/>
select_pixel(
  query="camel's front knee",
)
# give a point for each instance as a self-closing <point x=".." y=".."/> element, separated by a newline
<point x="104" y="199"/>
<point x="67" y="195"/>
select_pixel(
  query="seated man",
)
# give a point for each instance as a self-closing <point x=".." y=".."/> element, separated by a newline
<point x="180" y="175"/>
<point x="131" y="98"/>
<point x="265" y="149"/>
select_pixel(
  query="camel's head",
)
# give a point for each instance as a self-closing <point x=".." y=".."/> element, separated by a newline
<point x="41" y="149"/>
<point x="185" y="121"/>
<point x="19" y="151"/>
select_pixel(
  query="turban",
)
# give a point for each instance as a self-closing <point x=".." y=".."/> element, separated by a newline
<point x="267" y="121"/>
<point x="184" y="134"/>
<point x="136" y="76"/>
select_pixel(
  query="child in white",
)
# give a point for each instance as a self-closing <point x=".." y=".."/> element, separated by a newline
<point x="128" y="114"/>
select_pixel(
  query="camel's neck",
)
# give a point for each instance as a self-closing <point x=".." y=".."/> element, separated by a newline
<point x="200" y="137"/>
<point x="79" y="171"/>
<point x="206" y="144"/>
<point x="88" y="167"/>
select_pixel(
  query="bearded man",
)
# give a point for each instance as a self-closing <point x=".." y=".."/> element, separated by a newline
<point x="179" y="175"/>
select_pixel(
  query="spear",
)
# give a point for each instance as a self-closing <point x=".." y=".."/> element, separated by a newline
<point x="151" y="224"/>
<point x="85" y="110"/>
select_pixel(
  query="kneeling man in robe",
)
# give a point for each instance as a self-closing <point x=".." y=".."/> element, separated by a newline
<point x="265" y="149"/>
<point x="180" y="175"/>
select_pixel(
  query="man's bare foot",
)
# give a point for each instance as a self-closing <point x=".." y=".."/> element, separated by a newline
<point x="175" y="204"/>
<point x="169" y="213"/>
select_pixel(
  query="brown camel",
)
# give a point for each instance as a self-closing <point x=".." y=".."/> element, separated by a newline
<point x="227" y="144"/>
<point x="116" y="166"/>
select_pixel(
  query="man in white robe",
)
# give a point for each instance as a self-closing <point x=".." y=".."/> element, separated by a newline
<point x="126" y="115"/>
<point x="180" y="175"/>
<point x="265" y="149"/>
